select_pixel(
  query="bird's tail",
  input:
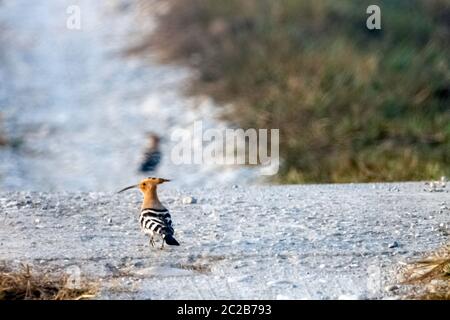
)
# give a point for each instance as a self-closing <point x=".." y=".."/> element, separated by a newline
<point x="170" y="240"/>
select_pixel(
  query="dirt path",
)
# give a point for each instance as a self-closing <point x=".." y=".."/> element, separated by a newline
<point x="280" y="242"/>
<point x="81" y="108"/>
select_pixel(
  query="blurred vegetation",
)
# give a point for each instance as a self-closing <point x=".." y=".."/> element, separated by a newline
<point x="352" y="104"/>
<point x="3" y="140"/>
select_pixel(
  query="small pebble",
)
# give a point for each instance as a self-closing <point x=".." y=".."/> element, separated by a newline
<point x="393" y="245"/>
<point x="391" y="288"/>
<point x="189" y="200"/>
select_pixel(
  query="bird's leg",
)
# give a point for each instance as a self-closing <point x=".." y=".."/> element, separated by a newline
<point x="152" y="241"/>
<point x="162" y="244"/>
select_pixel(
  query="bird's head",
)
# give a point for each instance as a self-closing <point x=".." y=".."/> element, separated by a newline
<point x="153" y="140"/>
<point x="146" y="184"/>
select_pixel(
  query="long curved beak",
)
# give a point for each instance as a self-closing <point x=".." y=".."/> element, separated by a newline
<point x="127" y="188"/>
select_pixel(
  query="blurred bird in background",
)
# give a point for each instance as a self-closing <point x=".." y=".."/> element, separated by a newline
<point x="152" y="156"/>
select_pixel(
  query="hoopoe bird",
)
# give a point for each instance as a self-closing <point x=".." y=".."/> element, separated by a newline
<point x="152" y="156"/>
<point x="155" y="219"/>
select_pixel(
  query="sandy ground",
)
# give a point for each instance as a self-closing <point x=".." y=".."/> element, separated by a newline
<point x="277" y="242"/>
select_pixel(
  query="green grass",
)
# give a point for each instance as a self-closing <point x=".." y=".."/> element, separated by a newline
<point x="351" y="104"/>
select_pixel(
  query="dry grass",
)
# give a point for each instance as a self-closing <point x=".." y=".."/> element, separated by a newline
<point x="27" y="285"/>
<point x="430" y="277"/>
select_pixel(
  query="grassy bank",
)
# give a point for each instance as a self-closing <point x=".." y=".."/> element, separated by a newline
<point x="352" y="104"/>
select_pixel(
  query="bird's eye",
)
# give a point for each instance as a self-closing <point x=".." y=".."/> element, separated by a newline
<point x="143" y="184"/>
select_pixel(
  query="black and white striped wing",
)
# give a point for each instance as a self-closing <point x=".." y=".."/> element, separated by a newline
<point x="156" y="221"/>
<point x="151" y="161"/>
<point x="168" y="223"/>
